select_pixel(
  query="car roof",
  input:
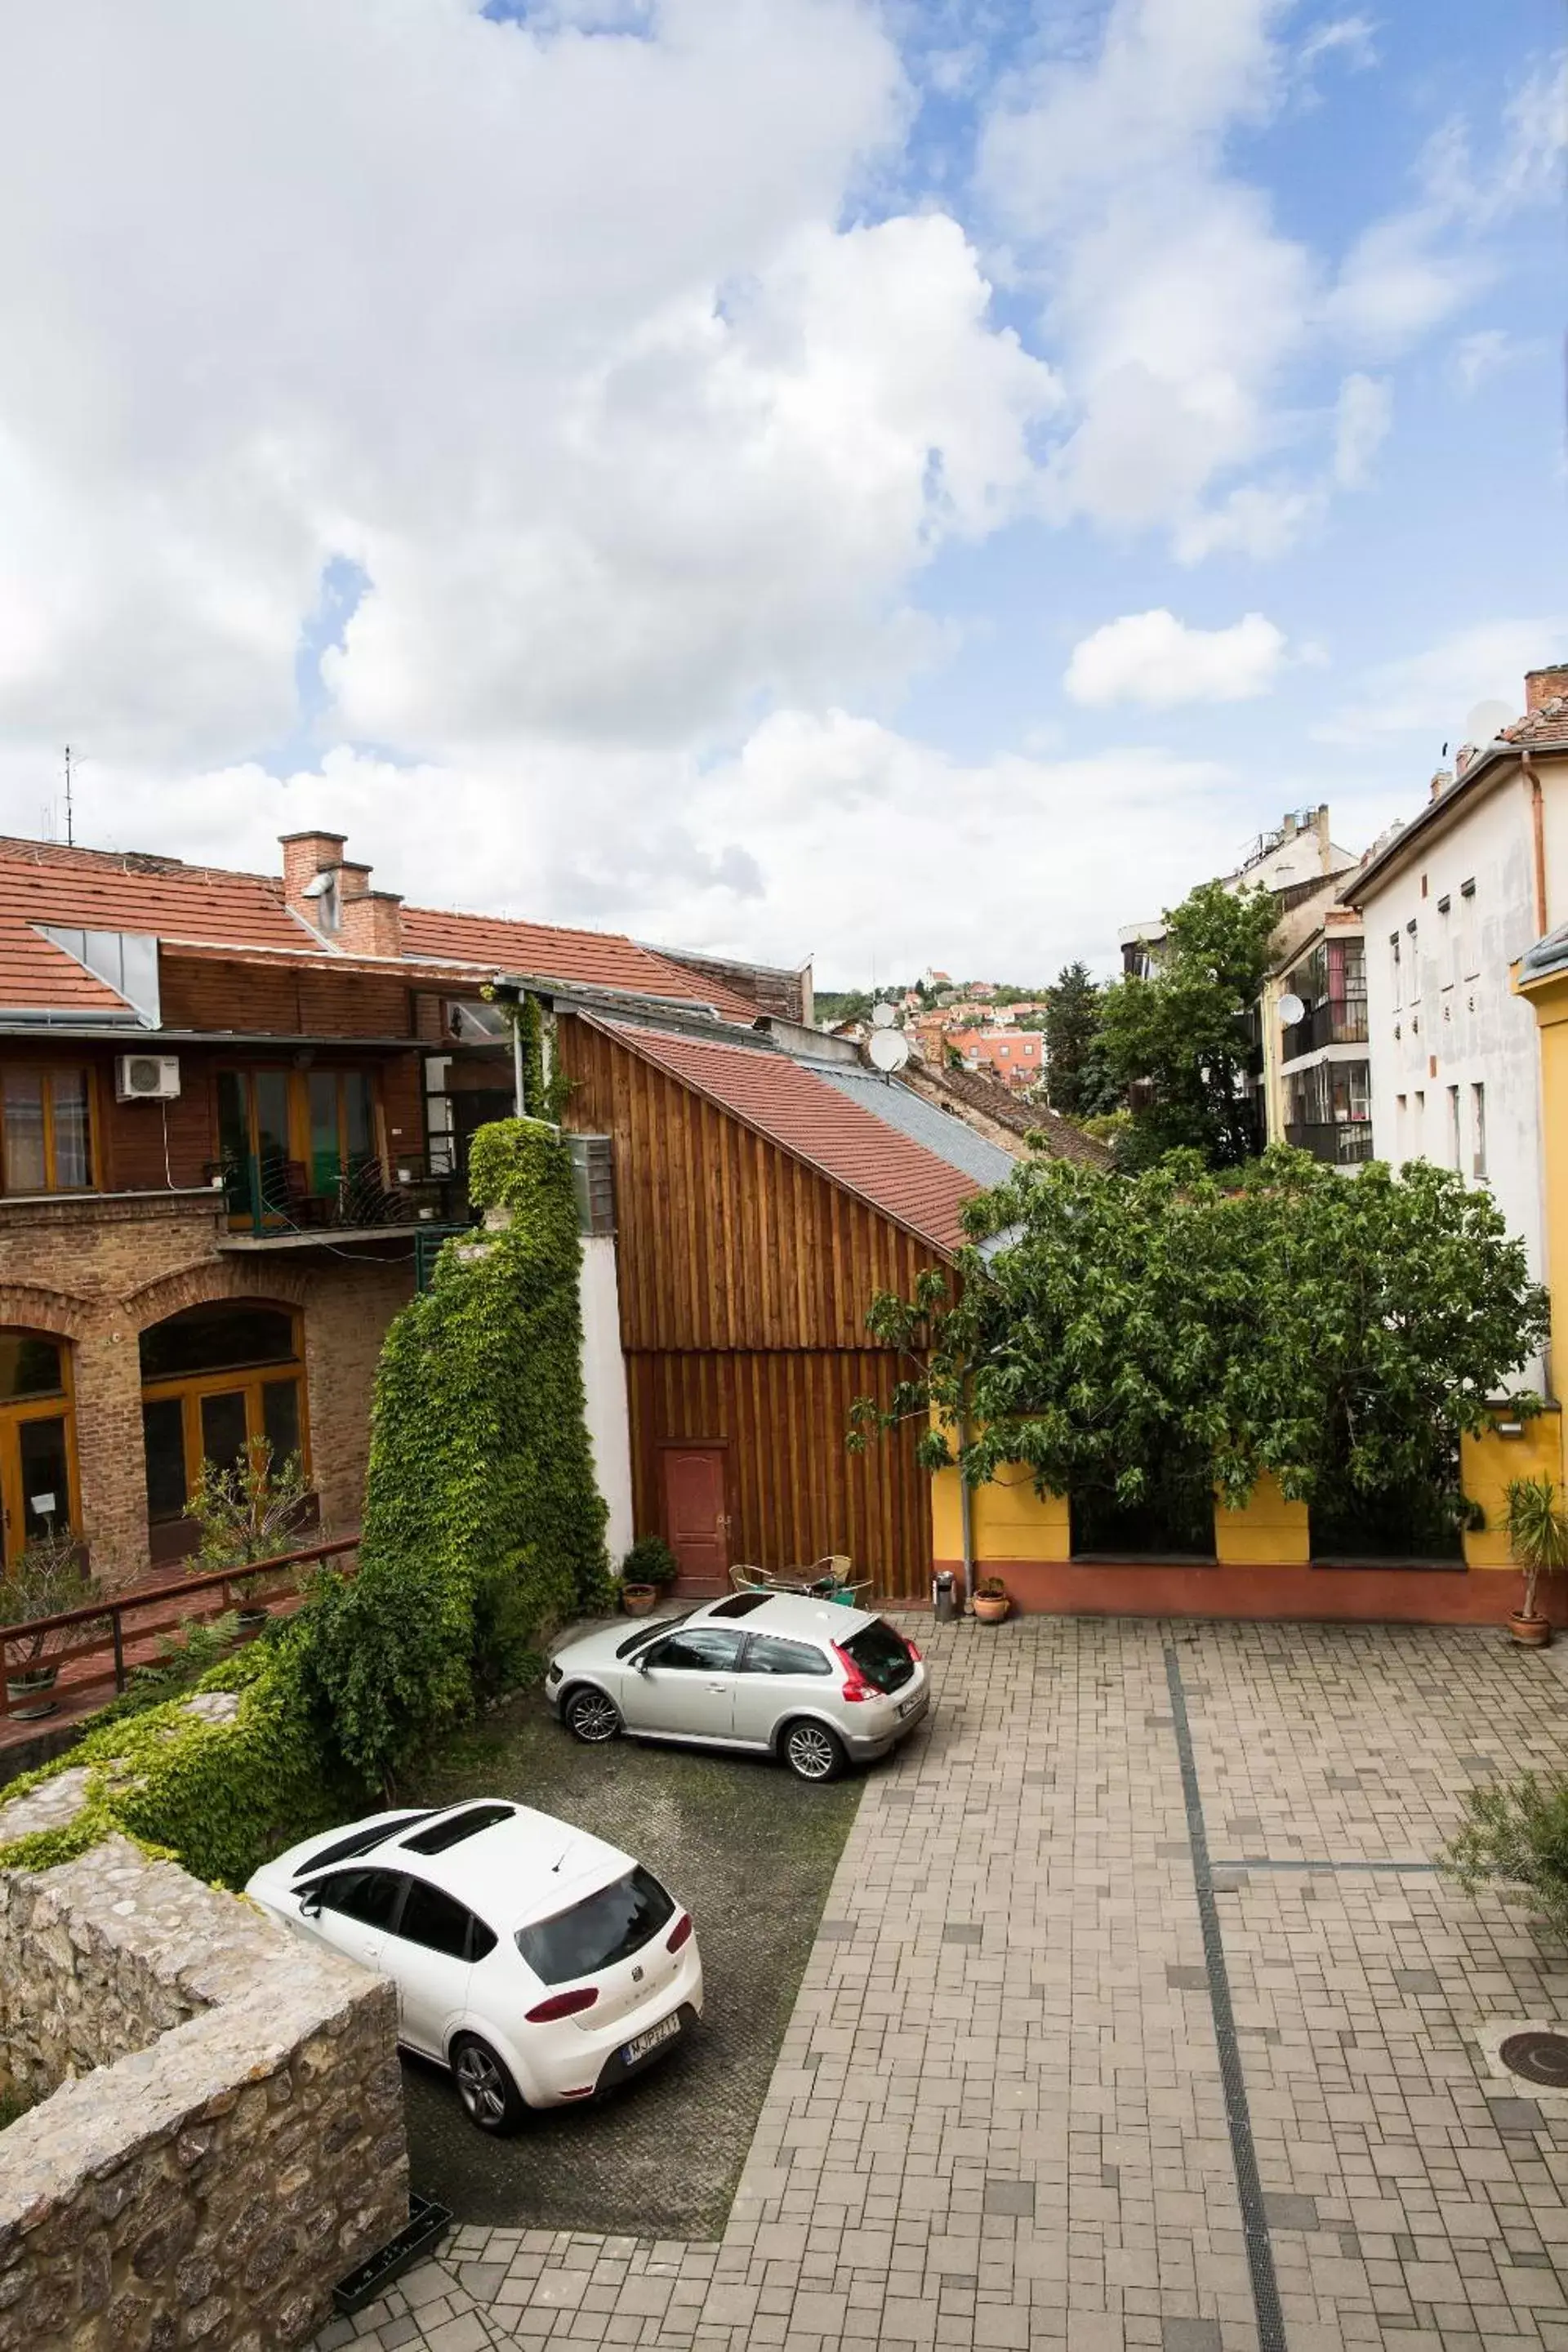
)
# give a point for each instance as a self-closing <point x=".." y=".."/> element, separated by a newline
<point x="793" y="1613"/>
<point x="523" y="1867"/>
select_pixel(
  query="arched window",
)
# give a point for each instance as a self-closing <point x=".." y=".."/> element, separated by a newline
<point x="37" y="1441"/>
<point x="213" y="1378"/>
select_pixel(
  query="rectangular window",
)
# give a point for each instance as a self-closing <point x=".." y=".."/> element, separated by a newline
<point x="1470" y="933"/>
<point x="1413" y="956"/>
<point x="290" y="1140"/>
<point x="1394" y="969"/>
<point x="45" y="1129"/>
<point x="1400" y="1127"/>
<point x="1478" y="1130"/>
<point x="1456" y="1145"/>
<point x="1417" y="1124"/>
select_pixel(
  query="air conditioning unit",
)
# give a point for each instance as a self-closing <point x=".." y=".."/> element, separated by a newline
<point x="146" y="1077"/>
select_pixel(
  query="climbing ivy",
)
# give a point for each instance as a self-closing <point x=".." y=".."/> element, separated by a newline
<point x="481" y="1503"/>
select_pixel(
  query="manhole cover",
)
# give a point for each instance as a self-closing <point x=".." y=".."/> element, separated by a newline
<point x="1537" y="2058"/>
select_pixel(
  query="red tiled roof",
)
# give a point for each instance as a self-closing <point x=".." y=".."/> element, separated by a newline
<point x="818" y="1124"/>
<point x="35" y="976"/>
<point x="150" y="895"/>
<point x="1542" y="729"/>
<point x="543" y="952"/>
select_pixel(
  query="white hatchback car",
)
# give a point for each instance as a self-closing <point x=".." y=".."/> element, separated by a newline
<point x="812" y="1681"/>
<point x="538" y="1963"/>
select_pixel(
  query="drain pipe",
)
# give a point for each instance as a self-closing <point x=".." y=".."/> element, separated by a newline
<point x="965" y="1511"/>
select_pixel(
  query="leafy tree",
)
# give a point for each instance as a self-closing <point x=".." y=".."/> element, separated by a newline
<point x="1178" y="1039"/>
<point x="1136" y="1332"/>
<point x="1079" y="1079"/>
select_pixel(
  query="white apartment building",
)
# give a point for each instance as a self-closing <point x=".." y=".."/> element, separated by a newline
<point x="1449" y="903"/>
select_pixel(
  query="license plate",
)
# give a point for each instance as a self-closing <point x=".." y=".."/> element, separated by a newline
<point x="908" y="1705"/>
<point x="665" y="2031"/>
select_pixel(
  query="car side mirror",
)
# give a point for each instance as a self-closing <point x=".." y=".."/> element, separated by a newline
<point x="310" y="1903"/>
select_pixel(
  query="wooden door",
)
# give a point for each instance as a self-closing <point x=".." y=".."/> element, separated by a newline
<point x="696" y="1515"/>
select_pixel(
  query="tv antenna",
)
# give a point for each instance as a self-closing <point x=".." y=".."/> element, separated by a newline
<point x="71" y="813"/>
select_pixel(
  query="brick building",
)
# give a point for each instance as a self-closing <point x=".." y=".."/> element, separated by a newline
<point x="229" y="1106"/>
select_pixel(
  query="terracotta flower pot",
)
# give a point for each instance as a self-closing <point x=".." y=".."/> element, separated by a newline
<point x="1529" y="1632"/>
<point x="991" y="1608"/>
<point x="637" y="1599"/>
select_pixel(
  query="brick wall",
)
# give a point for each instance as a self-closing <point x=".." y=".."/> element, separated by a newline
<point x="98" y="1271"/>
<point x="238" y="2145"/>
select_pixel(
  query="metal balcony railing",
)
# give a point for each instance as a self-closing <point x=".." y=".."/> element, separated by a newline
<point x="278" y="1196"/>
<point x="1339" y="1144"/>
<point x="1337" y="1021"/>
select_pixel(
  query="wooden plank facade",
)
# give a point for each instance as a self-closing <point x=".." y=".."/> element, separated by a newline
<point x="744" y="1278"/>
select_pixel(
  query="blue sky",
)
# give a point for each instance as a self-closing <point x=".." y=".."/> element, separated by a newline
<point x="901" y="482"/>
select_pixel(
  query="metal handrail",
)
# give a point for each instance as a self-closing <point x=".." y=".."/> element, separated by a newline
<point x="113" y="1609"/>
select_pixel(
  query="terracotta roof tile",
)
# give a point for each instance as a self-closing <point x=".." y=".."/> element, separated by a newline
<point x="35" y="976"/>
<point x="1544" y="730"/>
<point x="175" y="902"/>
<point x="544" y="952"/>
<point x="813" y="1120"/>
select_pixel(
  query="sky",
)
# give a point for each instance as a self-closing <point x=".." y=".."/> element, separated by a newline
<point x="901" y="484"/>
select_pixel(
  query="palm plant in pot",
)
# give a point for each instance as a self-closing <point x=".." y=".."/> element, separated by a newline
<point x="648" y="1571"/>
<point x="1537" y="1538"/>
<point x="44" y="1580"/>
<point x="252" y="1510"/>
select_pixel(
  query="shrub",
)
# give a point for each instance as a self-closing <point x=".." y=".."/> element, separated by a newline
<point x="1537" y="1533"/>
<point x="650" y="1561"/>
<point x="1516" y="1838"/>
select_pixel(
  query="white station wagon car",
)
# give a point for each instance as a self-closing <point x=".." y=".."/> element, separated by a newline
<point x="538" y="1963"/>
<point x="810" y="1680"/>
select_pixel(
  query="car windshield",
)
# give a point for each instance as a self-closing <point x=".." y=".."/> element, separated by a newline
<point x="597" y="1932"/>
<point x="646" y="1634"/>
<point x="361" y="1841"/>
<point x="881" y="1655"/>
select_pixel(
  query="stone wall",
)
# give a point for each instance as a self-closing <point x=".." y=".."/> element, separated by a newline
<point x="223" y="2139"/>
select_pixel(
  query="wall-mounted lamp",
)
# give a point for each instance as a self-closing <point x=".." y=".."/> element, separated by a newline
<point x="1508" y="1428"/>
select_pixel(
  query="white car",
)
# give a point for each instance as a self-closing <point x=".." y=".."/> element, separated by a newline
<point x="812" y="1681"/>
<point x="538" y="1963"/>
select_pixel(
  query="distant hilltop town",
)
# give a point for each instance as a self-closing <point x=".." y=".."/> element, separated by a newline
<point x="987" y="1025"/>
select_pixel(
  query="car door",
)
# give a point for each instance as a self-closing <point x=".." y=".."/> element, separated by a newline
<point x="685" y="1688"/>
<point x="353" y="1910"/>
<point x="429" y="1958"/>
<point x="780" y="1679"/>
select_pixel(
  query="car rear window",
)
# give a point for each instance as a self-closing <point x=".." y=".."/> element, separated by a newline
<point x="597" y="1932"/>
<point x="453" y="1828"/>
<point x="881" y="1655"/>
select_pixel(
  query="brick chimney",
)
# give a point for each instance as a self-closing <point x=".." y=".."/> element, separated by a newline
<point x="370" y="923"/>
<point x="306" y="855"/>
<point x="1544" y="686"/>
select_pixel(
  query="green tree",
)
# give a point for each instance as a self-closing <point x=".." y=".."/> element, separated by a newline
<point x="1178" y="1039"/>
<point x="1140" y="1333"/>
<point x="1078" y="1079"/>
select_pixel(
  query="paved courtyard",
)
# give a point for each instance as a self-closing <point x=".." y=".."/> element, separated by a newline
<point x="1138" y="2017"/>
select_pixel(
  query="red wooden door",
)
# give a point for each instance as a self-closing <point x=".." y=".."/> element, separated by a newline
<point x="697" y="1523"/>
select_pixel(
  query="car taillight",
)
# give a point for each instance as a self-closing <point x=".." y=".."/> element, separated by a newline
<point x="678" y="1933"/>
<point x="563" y="2004"/>
<point x="855" y="1684"/>
<point x="913" y="1649"/>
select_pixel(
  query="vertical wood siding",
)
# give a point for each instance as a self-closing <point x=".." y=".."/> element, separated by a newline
<point x="744" y="1281"/>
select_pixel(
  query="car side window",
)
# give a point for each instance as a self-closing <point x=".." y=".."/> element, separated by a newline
<point x="435" y="1920"/>
<point x="700" y="1650"/>
<point x="768" y="1655"/>
<point x="368" y="1895"/>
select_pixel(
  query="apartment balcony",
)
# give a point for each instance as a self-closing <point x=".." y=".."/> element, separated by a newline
<point x="1339" y="1144"/>
<point x="1337" y="1021"/>
<point x="274" y="1203"/>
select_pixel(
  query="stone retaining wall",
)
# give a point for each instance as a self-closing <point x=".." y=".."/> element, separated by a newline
<point x="225" y="2134"/>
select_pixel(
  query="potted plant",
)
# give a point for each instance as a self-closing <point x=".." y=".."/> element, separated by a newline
<point x="1537" y="1538"/>
<point x="646" y="1571"/>
<point x="251" y="1511"/>
<point x="45" y="1581"/>
<point x="989" y="1601"/>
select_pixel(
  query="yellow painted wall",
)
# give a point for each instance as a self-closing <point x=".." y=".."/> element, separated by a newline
<point x="1549" y="1001"/>
<point x="1487" y="1462"/>
<point x="1010" y="1521"/>
<point x="1267" y="1532"/>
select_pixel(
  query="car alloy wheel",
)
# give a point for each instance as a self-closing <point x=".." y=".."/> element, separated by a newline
<point x="591" y="1716"/>
<point x="487" y="2091"/>
<point x="811" y="1752"/>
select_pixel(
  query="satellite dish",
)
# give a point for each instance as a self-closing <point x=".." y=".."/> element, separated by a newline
<point x="889" y="1049"/>
<point x="1290" y="1010"/>
<point x="883" y="1014"/>
<point x="1486" y="719"/>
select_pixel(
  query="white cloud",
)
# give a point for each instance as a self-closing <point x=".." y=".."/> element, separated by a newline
<point x="553" y="331"/>
<point x="1365" y="413"/>
<point x="1475" y="359"/>
<point x="1153" y="658"/>
<point x="1430" y="693"/>
<point x="1349" y="39"/>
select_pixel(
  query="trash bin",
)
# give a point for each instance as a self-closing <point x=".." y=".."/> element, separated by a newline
<point x="943" y="1597"/>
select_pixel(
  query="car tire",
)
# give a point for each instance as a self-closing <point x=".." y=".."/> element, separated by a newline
<point x="491" y="2099"/>
<point x="812" y="1752"/>
<point x="590" y="1715"/>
